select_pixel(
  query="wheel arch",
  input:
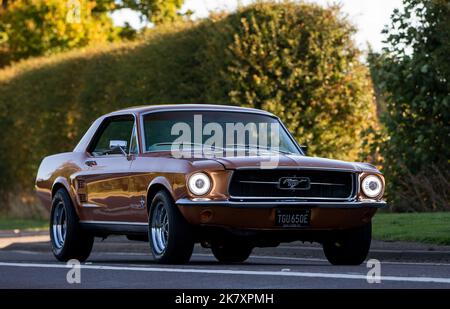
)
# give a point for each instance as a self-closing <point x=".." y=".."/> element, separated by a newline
<point x="62" y="183"/>
<point x="156" y="185"/>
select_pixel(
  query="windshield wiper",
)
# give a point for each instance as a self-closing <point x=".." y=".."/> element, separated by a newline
<point x="188" y="143"/>
<point x="259" y="148"/>
<point x="221" y="148"/>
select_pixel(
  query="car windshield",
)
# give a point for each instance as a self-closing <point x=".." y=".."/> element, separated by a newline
<point x="216" y="130"/>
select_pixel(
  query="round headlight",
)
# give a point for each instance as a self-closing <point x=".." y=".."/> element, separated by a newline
<point x="372" y="186"/>
<point x="199" y="184"/>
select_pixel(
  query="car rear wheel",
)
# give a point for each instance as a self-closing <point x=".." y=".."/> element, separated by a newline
<point x="349" y="247"/>
<point x="171" y="239"/>
<point x="68" y="239"/>
<point x="231" y="252"/>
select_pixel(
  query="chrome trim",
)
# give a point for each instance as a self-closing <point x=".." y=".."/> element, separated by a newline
<point x="89" y="205"/>
<point x="59" y="225"/>
<point x="353" y="193"/>
<point x="136" y="139"/>
<point x="243" y="198"/>
<point x="326" y="184"/>
<point x="276" y="183"/>
<point x="358" y="184"/>
<point x="265" y="182"/>
<point x="159" y="228"/>
<point x="285" y="203"/>
<point x="352" y="196"/>
<point x="291" y="137"/>
<point x="113" y="222"/>
<point x="337" y="169"/>
<point x="210" y="109"/>
<point x="362" y="176"/>
<point x="100" y="124"/>
<point x="307" y="179"/>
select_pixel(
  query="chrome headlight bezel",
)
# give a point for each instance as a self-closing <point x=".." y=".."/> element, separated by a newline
<point x="193" y="184"/>
<point x="367" y="188"/>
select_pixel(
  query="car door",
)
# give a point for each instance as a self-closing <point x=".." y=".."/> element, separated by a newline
<point x="107" y="182"/>
<point x="139" y="180"/>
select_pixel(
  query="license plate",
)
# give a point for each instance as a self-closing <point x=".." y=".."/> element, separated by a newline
<point x="292" y="217"/>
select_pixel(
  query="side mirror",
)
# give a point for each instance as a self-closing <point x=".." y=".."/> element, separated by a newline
<point x="304" y="148"/>
<point x="118" y="144"/>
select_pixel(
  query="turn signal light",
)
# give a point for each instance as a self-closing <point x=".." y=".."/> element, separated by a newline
<point x="206" y="216"/>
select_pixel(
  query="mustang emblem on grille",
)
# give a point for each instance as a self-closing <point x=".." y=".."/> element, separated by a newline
<point x="294" y="183"/>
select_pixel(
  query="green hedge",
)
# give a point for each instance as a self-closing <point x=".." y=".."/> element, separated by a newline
<point x="296" y="60"/>
<point x="413" y="79"/>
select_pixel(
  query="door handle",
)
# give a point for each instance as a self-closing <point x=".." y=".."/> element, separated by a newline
<point x="90" y="163"/>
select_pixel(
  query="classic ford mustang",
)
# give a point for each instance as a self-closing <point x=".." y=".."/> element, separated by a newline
<point x="176" y="175"/>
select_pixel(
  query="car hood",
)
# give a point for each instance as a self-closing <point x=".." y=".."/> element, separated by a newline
<point x="284" y="161"/>
<point x="199" y="161"/>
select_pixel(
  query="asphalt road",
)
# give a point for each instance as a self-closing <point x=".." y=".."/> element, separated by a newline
<point x="119" y="263"/>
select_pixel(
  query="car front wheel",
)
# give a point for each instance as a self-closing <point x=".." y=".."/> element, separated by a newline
<point x="171" y="239"/>
<point x="348" y="247"/>
<point x="68" y="240"/>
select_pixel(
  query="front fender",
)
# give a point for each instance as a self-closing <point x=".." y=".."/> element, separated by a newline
<point x="155" y="185"/>
<point x="62" y="182"/>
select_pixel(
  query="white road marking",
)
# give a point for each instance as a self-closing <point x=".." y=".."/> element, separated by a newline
<point x="235" y="272"/>
<point x="286" y="258"/>
<point x="406" y="251"/>
<point x="325" y="260"/>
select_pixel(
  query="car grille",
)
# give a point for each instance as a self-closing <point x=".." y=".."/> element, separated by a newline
<point x="260" y="183"/>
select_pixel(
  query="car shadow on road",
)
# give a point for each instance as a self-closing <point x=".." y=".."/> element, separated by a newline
<point x="150" y="262"/>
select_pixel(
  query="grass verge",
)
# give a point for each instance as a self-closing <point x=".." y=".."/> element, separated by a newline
<point x="23" y="224"/>
<point x="431" y="228"/>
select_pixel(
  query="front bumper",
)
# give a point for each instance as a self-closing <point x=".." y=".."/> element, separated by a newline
<point x="279" y="203"/>
<point x="325" y="215"/>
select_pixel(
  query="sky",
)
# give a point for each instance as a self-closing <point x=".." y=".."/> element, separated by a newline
<point x="369" y="16"/>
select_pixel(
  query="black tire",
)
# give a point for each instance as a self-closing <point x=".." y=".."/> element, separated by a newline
<point x="348" y="247"/>
<point x="231" y="253"/>
<point x="76" y="243"/>
<point x="179" y="241"/>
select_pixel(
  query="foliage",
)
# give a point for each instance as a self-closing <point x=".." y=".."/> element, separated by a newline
<point x="36" y="27"/>
<point x="413" y="75"/>
<point x="296" y="60"/>
<point x="157" y="11"/>
<point x="126" y="32"/>
<point x="299" y="62"/>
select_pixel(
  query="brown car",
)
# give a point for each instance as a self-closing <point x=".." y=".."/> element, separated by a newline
<point x="176" y="175"/>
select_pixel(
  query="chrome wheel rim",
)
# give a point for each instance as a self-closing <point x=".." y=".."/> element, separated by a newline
<point x="160" y="228"/>
<point x="59" y="225"/>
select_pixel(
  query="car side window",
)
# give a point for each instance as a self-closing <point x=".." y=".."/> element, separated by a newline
<point x="133" y="142"/>
<point x="115" y="131"/>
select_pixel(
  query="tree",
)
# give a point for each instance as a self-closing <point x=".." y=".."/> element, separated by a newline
<point x="413" y="75"/>
<point x="299" y="62"/>
<point x="157" y="11"/>
<point x="36" y="27"/>
<point x="294" y="59"/>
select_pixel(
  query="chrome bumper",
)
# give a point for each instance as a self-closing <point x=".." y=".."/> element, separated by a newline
<point x="280" y="204"/>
